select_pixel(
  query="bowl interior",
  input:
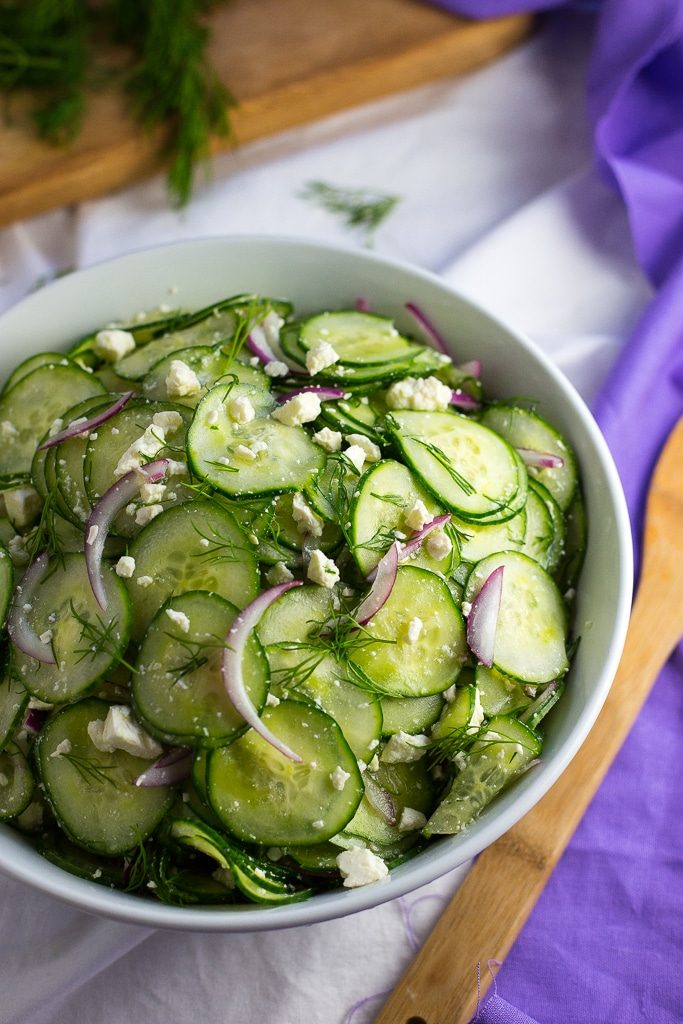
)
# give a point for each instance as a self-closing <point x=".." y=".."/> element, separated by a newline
<point x="193" y="274"/>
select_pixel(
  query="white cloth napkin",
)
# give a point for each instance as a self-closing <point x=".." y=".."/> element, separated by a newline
<point x="496" y="196"/>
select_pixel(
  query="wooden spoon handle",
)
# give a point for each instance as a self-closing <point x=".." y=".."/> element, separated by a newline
<point x="489" y="909"/>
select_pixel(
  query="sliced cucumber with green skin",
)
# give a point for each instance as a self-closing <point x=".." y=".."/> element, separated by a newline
<point x="194" y="546"/>
<point x="93" y="794"/>
<point x="263" y="797"/>
<point x="352" y="416"/>
<point x="457" y="722"/>
<point x="576" y="539"/>
<point x="526" y="429"/>
<point x="545" y="527"/>
<point x="467" y="467"/>
<point x="55" y="847"/>
<point x="144" y="327"/>
<point x="212" y="330"/>
<point x="84" y="643"/>
<point x="31" y="406"/>
<point x="359" y="339"/>
<point x="409" y="714"/>
<point x="531" y="630"/>
<point x="408" y="785"/>
<point x="431" y="664"/>
<point x="16" y="782"/>
<point x="178" y="688"/>
<point x="6" y="583"/>
<point x="479" y="541"/>
<point x="330" y="492"/>
<point x="499" y="695"/>
<point x="533" y="715"/>
<point x="287" y="463"/>
<point x="211" y="365"/>
<point x="384" y="497"/>
<point x="31" y="364"/>
<point x="277" y="522"/>
<point x="13" y="700"/>
<point x="66" y="465"/>
<point x="498" y="757"/>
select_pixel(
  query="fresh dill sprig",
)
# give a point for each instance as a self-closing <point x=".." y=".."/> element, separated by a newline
<point x="196" y="655"/>
<point x="361" y="208"/>
<point x="89" y="769"/>
<point x="218" y="547"/>
<point x="390" y="499"/>
<point x="45" y="536"/>
<point x="444" y="462"/>
<point x="99" y="637"/>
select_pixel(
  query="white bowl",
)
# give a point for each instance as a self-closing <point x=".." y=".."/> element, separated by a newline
<point x="314" y="276"/>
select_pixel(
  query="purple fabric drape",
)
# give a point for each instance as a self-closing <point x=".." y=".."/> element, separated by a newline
<point x="604" y="944"/>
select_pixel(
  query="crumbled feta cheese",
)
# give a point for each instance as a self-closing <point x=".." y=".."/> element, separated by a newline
<point x="92" y="535"/>
<point x="275" y="368"/>
<point x="152" y="493"/>
<point x="356" y="455"/>
<point x="180" y="619"/>
<point x="427" y="394"/>
<point x="330" y="440"/>
<point x="113" y="344"/>
<point x="477" y="714"/>
<point x="372" y="451"/>
<point x="125" y="567"/>
<point x="8" y="432"/>
<point x="120" y="731"/>
<point x="46" y="637"/>
<point x="466" y="608"/>
<point x="22" y="506"/>
<point x="167" y="420"/>
<point x="55" y="426"/>
<point x="320" y="357"/>
<point x="17" y="549"/>
<point x="339" y="778"/>
<point x="243" y="452"/>
<point x="241" y="410"/>
<point x="272" y="701"/>
<point x="62" y="748"/>
<point x="318" y="824"/>
<point x="450" y="694"/>
<point x="225" y="877"/>
<point x="279" y="573"/>
<point x="322" y="570"/>
<point x="402" y="748"/>
<point x="303" y="408"/>
<point x="438" y="544"/>
<point x="213" y="418"/>
<point x="145" y="581"/>
<point x="270" y="325"/>
<point x="305" y="518"/>
<point x="144" y="447"/>
<point x="373" y="763"/>
<point x="360" y="866"/>
<point x="418" y="516"/>
<point x="411" y="820"/>
<point x="415" y="627"/>
<point x="39" y="705"/>
<point x="147" y="513"/>
<point x="181" y="380"/>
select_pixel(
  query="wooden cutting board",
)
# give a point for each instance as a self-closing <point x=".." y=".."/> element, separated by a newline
<point x="287" y="62"/>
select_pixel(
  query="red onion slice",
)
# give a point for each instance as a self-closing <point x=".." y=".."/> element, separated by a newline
<point x="380" y="800"/>
<point x="413" y="545"/>
<point x="87" y="425"/>
<point x="35" y="720"/>
<point x="461" y="400"/>
<point x="323" y="393"/>
<point x="483" y="618"/>
<point x="267" y="353"/>
<point x="362" y="305"/>
<point x="541" y="460"/>
<point x="20" y="632"/>
<point x="173" y="766"/>
<point x="472" y="368"/>
<point x="233" y="656"/>
<point x="428" y="327"/>
<point x="103" y="514"/>
<point x="382" y="585"/>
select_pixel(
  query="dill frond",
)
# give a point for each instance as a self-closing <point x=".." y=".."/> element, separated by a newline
<point x="357" y="207"/>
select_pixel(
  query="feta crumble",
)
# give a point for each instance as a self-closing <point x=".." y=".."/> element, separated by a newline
<point x="22" y="506"/>
<point x="120" y="731"/>
<point x="438" y="544"/>
<point x="329" y="440"/>
<point x="276" y="368"/>
<point x="402" y="748"/>
<point x="322" y="570"/>
<point x="360" y="866"/>
<point x="241" y="410"/>
<point x="145" y="581"/>
<point x="303" y="408"/>
<point x="279" y="573"/>
<point x="305" y="518"/>
<point x="147" y="513"/>
<point x="411" y="820"/>
<point x="182" y="381"/>
<point x="320" y="357"/>
<point x="428" y="394"/>
<point x="371" y="450"/>
<point x="113" y="344"/>
<point x="339" y="778"/>
<point x="8" y="432"/>
<point x="125" y="567"/>
<point x="356" y="456"/>
<point x="418" y="516"/>
<point x="179" y="619"/>
<point x="62" y="748"/>
<point x="414" y="630"/>
<point x="92" y="535"/>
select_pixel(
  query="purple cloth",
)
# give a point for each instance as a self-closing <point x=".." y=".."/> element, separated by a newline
<point x="605" y="941"/>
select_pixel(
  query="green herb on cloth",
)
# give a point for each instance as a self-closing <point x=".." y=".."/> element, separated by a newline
<point x="358" y="207"/>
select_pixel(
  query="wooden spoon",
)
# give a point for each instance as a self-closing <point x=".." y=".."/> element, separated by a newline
<point x="440" y="986"/>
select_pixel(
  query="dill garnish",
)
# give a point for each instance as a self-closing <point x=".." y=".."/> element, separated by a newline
<point x="89" y="769"/>
<point x="444" y="462"/>
<point x="100" y="637"/>
<point x="358" y="207"/>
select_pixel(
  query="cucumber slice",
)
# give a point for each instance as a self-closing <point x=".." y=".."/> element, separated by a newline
<point x="498" y="694"/>
<point x="430" y="664"/>
<point x="331" y="492"/>
<point x="211" y="364"/>
<point x="359" y="339"/>
<point x="65" y="465"/>
<point x="409" y="714"/>
<point x="6" y="583"/>
<point x="178" y="688"/>
<point x="457" y="723"/>
<point x="352" y="416"/>
<point x="30" y="407"/>
<point x="480" y="541"/>
<point x="93" y="794"/>
<point x="16" y="782"/>
<point x="194" y="546"/>
<point x="31" y="364"/>
<point x="212" y="330"/>
<point x="534" y="714"/>
<point x="55" y="847"/>
<point x="277" y="524"/>
<point x="85" y="645"/>
<point x="467" y="467"/>
<point x="525" y="429"/>
<point x="498" y="757"/>
<point x="287" y="463"/>
<point x="545" y="527"/>
<point x="384" y="497"/>
<point x="576" y="539"/>
<point x="263" y="797"/>
<point x="13" y="700"/>
<point x="532" y="621"/>
<point x="408" y="785"/>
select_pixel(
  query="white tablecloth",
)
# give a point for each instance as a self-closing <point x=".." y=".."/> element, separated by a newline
<point x="497" y="195"/>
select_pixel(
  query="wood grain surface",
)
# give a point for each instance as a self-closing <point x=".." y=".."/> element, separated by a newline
<point x="488" y="911"/>
<point x="287" y="62"/>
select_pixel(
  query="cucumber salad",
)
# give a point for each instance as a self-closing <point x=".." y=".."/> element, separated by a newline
<point x="285" y="597"/>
